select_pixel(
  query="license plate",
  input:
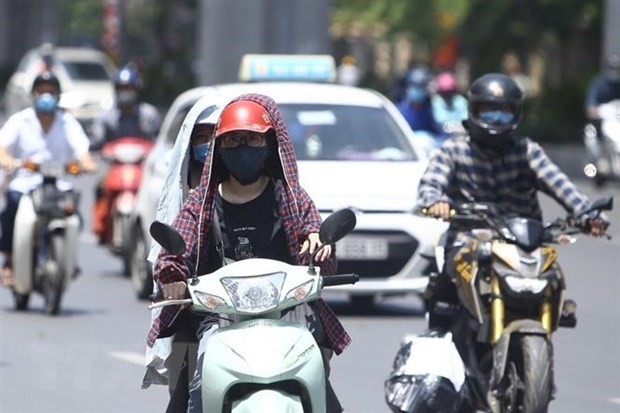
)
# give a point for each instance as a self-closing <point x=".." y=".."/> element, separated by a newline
<point x="357" y="248"/>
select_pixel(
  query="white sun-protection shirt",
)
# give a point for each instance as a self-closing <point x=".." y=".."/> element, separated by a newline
<point x="23" y="137"/>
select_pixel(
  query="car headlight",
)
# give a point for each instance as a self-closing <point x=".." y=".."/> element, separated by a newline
<point x="254" y="294"/>
<point x="300" y="292"/>
<point x="525" y="285"/>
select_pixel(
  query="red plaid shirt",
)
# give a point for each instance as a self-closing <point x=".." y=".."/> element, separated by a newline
<point x="299" y="218"/>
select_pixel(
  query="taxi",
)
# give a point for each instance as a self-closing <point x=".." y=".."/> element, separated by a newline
<point x="354" y="149"/>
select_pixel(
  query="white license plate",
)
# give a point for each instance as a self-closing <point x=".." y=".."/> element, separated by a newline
<point x="358" y="248"/>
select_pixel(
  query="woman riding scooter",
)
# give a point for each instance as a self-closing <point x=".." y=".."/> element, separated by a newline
<point x="249" y="194"/>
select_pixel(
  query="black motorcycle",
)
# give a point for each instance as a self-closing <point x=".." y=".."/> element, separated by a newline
<point x="511" y="300"/>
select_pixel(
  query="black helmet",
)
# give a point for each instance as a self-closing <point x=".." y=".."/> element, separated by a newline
<point x="128" y="76"/>
<point x="494" y="109"/>
<point x="46" y="77"/>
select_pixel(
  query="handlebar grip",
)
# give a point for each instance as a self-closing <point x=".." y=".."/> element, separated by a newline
<point x="341" y="279"/>
<point x="158" y="296"/>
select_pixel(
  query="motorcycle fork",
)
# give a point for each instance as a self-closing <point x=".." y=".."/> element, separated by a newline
<point x="497" y="310"/>
<point x="546" y="312"/>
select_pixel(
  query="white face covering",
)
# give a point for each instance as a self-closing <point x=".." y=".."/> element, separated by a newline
<point x="126" y="97"/>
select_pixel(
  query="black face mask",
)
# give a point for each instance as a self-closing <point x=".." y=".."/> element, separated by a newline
<point x="245" y="163"/>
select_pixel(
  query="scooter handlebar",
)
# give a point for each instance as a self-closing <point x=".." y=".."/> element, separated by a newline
<point x="340" y="279"/>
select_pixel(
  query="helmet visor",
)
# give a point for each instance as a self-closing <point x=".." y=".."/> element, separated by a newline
<point x="495" y="114"/>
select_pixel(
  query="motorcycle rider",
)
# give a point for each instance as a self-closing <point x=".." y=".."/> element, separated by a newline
<point x="603" y="88"/>
<point x="39" y="133"/>
<point x="449" y="106"/>
<point x="129" y="118"/>
<point x="173" y="360"/>
<point x="415" y="105"/>
<point x="492" y="164"/>
<point x="250" y="194"/>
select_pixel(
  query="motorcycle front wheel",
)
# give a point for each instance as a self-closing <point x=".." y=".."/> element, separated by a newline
<point x="141" y="272"/>
<point x="53" y="284"/>
<point x="536" y="373"/>
<point x="21" y="301"/>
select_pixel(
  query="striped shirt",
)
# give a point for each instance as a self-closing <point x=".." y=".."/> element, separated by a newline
<point x="461" y="172"/>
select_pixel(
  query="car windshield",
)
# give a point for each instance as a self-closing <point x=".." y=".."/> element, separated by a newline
<point x="340" y="132"/>
<point x="85" y="70"/>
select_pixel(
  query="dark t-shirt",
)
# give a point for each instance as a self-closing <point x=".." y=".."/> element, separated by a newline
<point x="253" y="229"/>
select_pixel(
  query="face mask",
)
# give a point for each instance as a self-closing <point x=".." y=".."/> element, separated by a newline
<point x="496" y="117"/>
<point x="46" y="103"/>
<point x="416" y="94"/>
<point x="126" y="97"/>
<point x="200" y="151"/>
<point x="244" y="162"/>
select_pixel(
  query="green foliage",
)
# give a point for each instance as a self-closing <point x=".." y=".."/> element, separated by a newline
<point x="557" y="115"/>
<point x="427" y="20"/>
<point x="83" y="16"/>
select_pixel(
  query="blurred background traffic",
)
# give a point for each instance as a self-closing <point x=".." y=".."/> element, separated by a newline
<point x="555" y="46"/>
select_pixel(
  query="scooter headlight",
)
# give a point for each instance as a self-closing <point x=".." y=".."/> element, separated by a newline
<point x="255" y="294"/>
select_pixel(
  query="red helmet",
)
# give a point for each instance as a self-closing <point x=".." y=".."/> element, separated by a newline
<point x="243" y="115"/>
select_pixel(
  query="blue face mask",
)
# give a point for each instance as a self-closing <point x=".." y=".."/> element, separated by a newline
<point x="416" y="94"/>
<point x="200" y="151"/>
<point x="46" y="103"/>
<point x="496" y="117"/>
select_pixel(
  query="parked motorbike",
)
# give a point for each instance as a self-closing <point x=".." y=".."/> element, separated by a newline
<point x="120" y="187"/>
<point x="287" y="375"/>
<point x="604" y="152"/>
<point x="46" y="236"/>
<point x="510" y="301"/>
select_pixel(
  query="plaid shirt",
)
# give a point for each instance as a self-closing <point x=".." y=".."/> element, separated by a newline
<point x="461" y="172"/>
<point x="299" y="218"/>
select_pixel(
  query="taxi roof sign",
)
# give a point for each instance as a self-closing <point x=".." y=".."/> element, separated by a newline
<point x="293" y="67"/>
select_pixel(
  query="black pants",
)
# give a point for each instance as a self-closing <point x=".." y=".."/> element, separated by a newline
<point x="182" y="361"/>
<point x="441" y="292"/>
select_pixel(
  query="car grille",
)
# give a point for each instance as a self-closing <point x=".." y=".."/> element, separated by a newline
<point x="401" y="247"/>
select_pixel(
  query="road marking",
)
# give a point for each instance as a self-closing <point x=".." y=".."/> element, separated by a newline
<point x="128" y="356"/>
<point x="615" y="400"/>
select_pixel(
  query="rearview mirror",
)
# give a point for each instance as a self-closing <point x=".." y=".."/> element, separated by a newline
<point x="167" y="237"/>
<point x="337" y="225"/>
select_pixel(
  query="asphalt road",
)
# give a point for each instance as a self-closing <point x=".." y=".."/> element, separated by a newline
<point x="89" y="358"/>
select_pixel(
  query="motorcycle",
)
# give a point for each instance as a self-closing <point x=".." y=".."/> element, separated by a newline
<point x="288" y="374"/>
<point x="119" y="190"/>
<point x="604" y="154"/>
<point x="510" y="302"/>
<point x="46" y="237"/>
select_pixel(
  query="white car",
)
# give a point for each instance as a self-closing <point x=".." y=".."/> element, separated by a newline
<point x="354" y="150"/>
<point x="84" y="75"/>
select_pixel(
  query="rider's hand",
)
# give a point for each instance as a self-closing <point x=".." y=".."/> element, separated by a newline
<point x="174" y="291"/>
<point x="312" y="243"/>
<point x="87" y="163"/>
<point x="440" y="209"/>
<point x="9" y="163"/>
<point x="597" y="227"/>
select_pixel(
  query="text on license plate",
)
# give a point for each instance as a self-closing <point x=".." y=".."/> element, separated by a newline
<point x="358" y="248"/>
